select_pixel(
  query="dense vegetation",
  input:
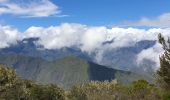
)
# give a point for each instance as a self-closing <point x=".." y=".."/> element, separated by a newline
<point x="13" y="87"/>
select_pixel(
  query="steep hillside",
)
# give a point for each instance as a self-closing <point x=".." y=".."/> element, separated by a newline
<point x="65" y="72"/>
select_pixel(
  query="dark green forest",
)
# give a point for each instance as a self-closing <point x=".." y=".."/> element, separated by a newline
<point x="13" y="87"/>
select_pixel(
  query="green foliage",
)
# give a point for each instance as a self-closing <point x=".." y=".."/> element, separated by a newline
<point x="164" y="71"/>
<point x="141" y="89"/>
<point x="15" y="88"/>
<point x="138" y="90"/>
<point x="11" y="86"/>
<point x="7" y="76"/>
<point x="93" y="91"/>
<point x="47" y="92"/>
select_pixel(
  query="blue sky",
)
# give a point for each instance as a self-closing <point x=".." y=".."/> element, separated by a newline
<point x="89" y="12"/>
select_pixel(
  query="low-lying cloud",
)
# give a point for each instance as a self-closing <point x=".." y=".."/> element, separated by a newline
<point x="151" y="53"/>
<point x="87" y="38"/>
<point x="8" y="36"/>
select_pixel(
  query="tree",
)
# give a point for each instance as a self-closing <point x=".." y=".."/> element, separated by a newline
<point x="143" y="90"/>
<point x="164" y="71"/>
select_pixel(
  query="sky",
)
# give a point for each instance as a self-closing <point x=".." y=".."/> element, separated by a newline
<point x="88" y="12"/>
<point x="86" y="24"/>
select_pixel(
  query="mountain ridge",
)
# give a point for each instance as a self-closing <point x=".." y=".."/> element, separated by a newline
<point x="66" y="71"/>
<point x="120" y="58"/>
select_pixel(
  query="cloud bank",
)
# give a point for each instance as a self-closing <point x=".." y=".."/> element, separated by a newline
<point x="151" y="53"/>
<point x="87" y="38"/>
<point x="8" y="36"/>
<point x="29" y="8"/>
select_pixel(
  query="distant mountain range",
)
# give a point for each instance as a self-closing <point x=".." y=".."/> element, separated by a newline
<point x="120" y="58"/>
<point x="68" y="66"/>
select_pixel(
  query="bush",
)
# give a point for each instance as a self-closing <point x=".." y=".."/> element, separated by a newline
<point x="47" y="92"/>
<point x="140" y="89"/>
<point x="11" y="86"/>
<point x="93" y="91"/>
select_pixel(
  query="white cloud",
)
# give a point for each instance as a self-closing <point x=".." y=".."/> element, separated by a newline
<point x="89" y="39"/>
<point x="160" y="21"/>
<point x="56" y="37"/>
<point x="8" y="36"/>
<point x="151" y="54"/>
<point x="30" y="8"/>
<point x="93" y="38"/>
